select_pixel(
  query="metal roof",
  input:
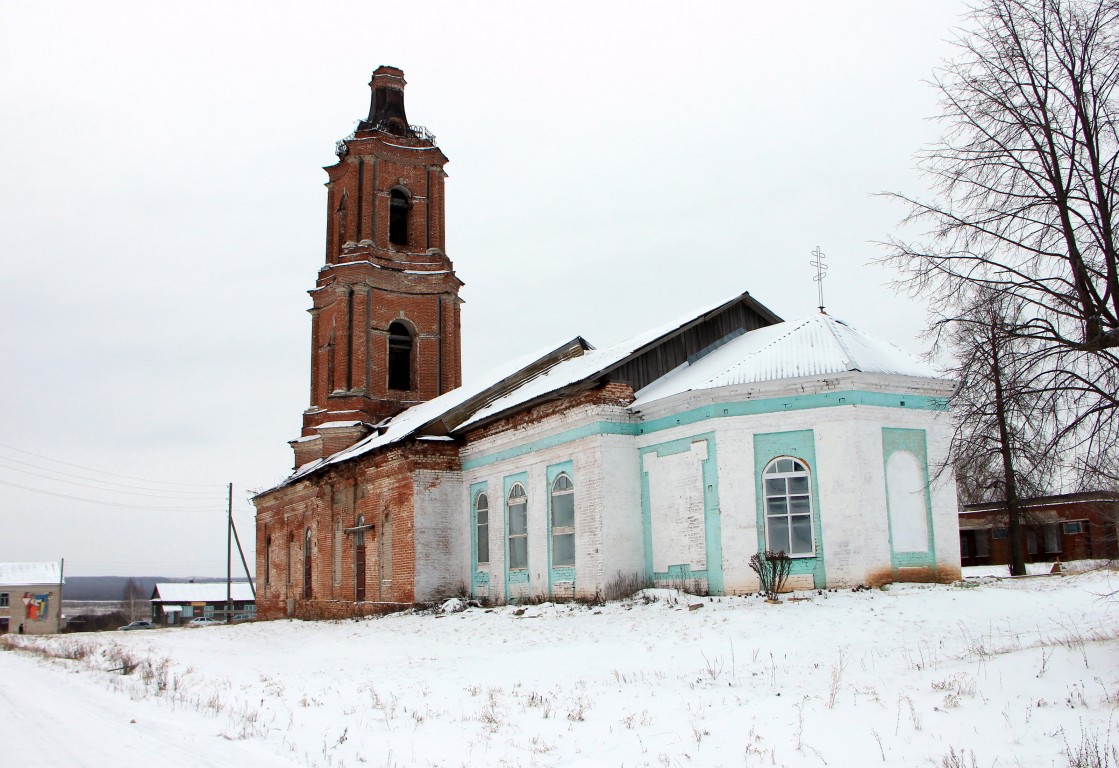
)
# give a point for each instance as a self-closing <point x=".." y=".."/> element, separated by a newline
<point x="27" y="574"/>
<point x="818" y="345"/>
<point x="187" y="592"/>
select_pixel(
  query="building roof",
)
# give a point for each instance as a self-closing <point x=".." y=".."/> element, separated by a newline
<point x="189" y="592"/>
<point x="734" y="341"/>
<point x="28" y="574"/>
<point x="818" y="345"/>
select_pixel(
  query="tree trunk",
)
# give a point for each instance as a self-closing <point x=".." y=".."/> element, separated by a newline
<point x="1017" y="559"/>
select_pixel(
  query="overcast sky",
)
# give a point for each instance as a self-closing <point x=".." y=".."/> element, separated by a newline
<point x="612" y="166"/>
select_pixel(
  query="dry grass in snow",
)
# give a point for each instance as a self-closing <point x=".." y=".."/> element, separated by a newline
<point x="993" y="673"/>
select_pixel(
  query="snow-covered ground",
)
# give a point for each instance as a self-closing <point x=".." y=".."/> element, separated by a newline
<point x="1021" y="672"/>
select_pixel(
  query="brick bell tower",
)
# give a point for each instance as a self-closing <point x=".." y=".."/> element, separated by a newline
<point x="385" y="313"/>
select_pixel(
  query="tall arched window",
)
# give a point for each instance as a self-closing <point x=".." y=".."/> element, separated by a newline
<point x="399" y="206"/>
<point x="482" y="527"/>
<point x="563" y="521"/>
<point x="400" y="357"/>
<point x="518" y="527"/>
<point x="359" y="559"/>
<point x="267" y="560"/>
<point x="307" y="565"/>
<point x="788" y="507"/>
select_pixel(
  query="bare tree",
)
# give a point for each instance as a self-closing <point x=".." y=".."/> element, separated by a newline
<point x="132" y="598"/>
<point x="1003" y="424"/>
<point x="1025" y="181"/>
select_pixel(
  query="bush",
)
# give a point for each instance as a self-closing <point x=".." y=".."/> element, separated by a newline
<point x="773" y="571"/>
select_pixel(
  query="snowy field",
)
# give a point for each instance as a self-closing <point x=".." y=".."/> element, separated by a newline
<point x="1021" y="672"/>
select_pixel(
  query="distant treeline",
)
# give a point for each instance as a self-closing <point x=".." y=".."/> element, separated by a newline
<point x="112" y="587"/>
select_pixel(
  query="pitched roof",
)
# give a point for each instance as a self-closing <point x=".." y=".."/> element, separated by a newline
<point x="736" y="352"/>
<point x="211" y="592"/>
<point x="27" y="574"/>
<point x="818" y="345"/>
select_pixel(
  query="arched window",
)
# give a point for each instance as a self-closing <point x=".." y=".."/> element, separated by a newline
<point x="482" y="527"/>
<point x="267" y="560"/>
<point x="563" y="521"/>
<point x="307" y="565"/>
<point x="400" y="357"/>
<point x="399" y="206"/>
<point x="359" y="559"/>
<point x="518" y="527"/>
<point x="788" y="507"/>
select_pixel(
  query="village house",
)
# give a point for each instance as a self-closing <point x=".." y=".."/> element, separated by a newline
<point x="179" y="601"/>
<point x="1069" y="526"/>
<point x="670" y="458"/>
<point x="30" y="598"/>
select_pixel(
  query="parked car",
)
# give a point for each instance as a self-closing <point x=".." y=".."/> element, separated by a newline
<point x="239" y="617"/>
<point x="203" y="621"/>
<point x="137" y="625"/>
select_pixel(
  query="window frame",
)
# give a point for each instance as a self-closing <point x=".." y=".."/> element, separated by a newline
<point x="4" y="600"/>
<point x="481" y="529"/>
<point x="564" y="530"/>
<point x="509" y="535"/>
<point x="772" y="472"/>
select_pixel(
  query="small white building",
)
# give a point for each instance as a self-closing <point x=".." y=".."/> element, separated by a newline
<point x="30" y="598"/>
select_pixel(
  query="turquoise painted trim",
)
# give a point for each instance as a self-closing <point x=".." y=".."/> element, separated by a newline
<point x="913" y="441"/>
<point x="478" y="579"/>
<point x="565" y="572"/>
<point x="519" y="576"/>
<point x="713" y="532"/>
<point x="714" y="411"/>
<point x="799" y="444"/>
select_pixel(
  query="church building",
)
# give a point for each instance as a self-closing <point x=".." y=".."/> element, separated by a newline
<point x="668" y="459"/>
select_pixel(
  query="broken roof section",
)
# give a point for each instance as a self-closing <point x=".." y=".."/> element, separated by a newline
<point x="30" y="574"/>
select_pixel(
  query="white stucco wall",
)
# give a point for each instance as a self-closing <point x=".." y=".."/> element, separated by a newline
<point x="849" y="471"/>
<point x="441" y="539"/>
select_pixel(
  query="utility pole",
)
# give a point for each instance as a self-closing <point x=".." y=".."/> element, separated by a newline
<point x="229" y="559"/>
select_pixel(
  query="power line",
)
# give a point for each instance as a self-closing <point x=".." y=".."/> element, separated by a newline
<point x="212" y="508"/>
<point x="215" y="498"/>
<point x="111" y="474"/>
<point x="213" y="493"/>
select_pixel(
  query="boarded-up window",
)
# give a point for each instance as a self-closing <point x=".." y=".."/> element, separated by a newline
<point x="337" y="569"/>
<point x="905" y="486"/>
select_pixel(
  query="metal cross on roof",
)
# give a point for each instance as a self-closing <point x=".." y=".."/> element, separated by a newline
<point x="821" y="273"/>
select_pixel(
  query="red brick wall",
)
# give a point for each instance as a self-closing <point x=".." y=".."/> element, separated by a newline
<point x="372" y="486"/>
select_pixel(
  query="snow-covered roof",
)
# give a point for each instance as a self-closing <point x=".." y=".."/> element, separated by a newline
<point x="26" y="574"/>
<point x="818" y="345"/>
<point x="815" y="346"/>
<point x="213" y="592"/>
